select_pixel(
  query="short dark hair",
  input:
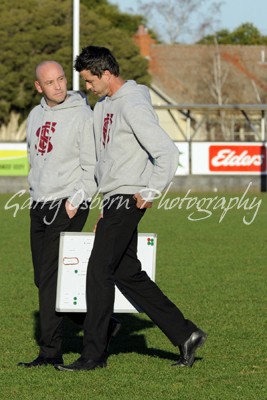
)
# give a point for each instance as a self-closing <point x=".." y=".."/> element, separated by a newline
<point x="97" y="60"/>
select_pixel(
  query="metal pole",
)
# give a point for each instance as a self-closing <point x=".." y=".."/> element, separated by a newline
<point x="263" y="123"/>
<point x="76" y="41"/>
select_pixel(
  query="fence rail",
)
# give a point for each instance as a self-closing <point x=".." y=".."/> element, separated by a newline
<point x="213" y="122"/>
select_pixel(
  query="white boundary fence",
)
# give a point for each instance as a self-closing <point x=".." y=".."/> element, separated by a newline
<point x="222" y="146"/>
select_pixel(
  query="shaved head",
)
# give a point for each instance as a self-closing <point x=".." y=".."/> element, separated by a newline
<point x="51" y="82"/>
<point x="44" y="65"/>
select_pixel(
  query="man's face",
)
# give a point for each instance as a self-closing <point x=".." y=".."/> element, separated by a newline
<point x="52" y="83"/>
<point x="99" y="86"/>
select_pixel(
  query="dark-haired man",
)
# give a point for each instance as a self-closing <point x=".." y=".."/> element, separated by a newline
<point x="135" y="160"/>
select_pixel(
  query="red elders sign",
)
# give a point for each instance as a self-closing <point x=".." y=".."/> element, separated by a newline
<point x="230" y="158"/>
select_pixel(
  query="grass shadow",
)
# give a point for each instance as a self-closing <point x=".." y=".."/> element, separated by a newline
<point x="128" y="340"/>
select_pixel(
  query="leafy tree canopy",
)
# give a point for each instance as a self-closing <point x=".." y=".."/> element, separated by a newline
<point x="32" y="31"/>
<point x="126" y="22"/>
<point x="245" y="34"/>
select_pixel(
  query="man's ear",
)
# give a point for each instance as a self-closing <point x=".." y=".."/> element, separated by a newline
<point x="107" y="74"/>
<point x="38" y="87"/>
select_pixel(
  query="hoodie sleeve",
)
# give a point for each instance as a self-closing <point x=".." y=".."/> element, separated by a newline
<point x="28" y="138"/>
<point x="157" y="143"/>
<point x="86" y="187"/>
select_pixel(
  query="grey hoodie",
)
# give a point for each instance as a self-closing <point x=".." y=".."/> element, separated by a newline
<point x="61" y="151"/>
<point x="134" y="154"/>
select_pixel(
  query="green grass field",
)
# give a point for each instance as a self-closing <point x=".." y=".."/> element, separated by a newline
<point x="214" y="271"/>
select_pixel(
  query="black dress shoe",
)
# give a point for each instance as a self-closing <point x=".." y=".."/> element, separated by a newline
<point x="41" y="361"/>
<point x="82" y="364"/>
<point x="189" y="348"/>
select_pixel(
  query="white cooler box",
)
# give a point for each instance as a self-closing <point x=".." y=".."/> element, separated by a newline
<point x="74" y="251"/>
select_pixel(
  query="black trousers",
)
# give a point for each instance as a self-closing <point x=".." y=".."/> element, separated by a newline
<point x="47" y="221"/>
<point x="114" y="259"/>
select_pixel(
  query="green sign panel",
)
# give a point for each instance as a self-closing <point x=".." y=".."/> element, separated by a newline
<point x="13" y="162"/>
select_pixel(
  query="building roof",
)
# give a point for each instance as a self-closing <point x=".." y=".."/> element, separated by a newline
<point x="203" y="74"/>
<point x="206" y="74"/>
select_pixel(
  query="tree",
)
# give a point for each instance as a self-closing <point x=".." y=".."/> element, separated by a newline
<point x="245" y="34"/>
<point x="178" y="17"/>
<point x="215" y="81"/>
<point x="217" y="78"/>
<point x="123" y="21"/>
<point x="221" y="36"/>
<point x="29" y="33"/>
<point x="32" y="31"/>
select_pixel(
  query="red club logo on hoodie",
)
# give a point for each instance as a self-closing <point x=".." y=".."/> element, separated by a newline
<point x="44" y="144"/>
<point x="106" y="129"/>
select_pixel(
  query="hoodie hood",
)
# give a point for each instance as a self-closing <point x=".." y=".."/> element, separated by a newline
<point x="131" y="88"/>
<point x="73" y="99"/>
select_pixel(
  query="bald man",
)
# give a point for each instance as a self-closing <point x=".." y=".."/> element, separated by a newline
<point x="61" y="153"/>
